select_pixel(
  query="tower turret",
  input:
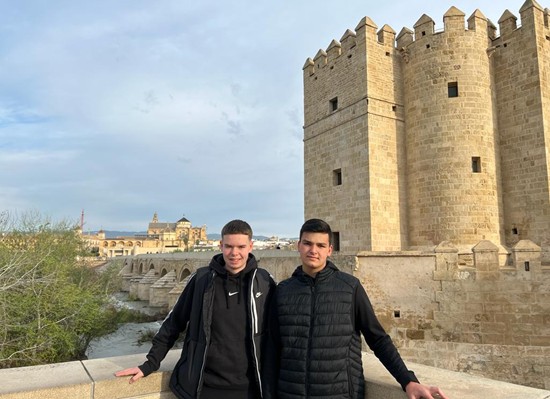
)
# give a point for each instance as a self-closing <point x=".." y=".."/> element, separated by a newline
<point x="453" y="183"/>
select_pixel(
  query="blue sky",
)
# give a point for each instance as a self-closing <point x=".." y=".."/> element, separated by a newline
<point x="185" y="108"/>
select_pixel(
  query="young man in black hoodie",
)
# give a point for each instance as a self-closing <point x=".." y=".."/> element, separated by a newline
<point x="318" y="317"/>
<point x="223" y="311"/>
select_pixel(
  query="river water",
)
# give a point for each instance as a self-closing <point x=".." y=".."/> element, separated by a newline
<point x="124" y="341"/>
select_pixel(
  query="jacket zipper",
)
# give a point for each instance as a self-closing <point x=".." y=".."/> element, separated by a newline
<point x="255" y="329"/>
<point x="308" y="362"/>
<point x="203" y="365"/>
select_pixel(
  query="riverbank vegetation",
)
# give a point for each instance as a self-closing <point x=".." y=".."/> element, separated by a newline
<point x="52" y="304"/>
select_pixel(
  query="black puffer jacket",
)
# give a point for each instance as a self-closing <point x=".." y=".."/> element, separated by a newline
<point x="193" y="314"/>
<point x="320" y="321"/>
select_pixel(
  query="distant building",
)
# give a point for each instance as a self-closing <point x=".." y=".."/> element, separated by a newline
<point x="161" y="237"/>
<point x="272" y="242"/>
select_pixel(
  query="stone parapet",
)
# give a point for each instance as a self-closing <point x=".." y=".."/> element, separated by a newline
<point x="95" y="379"/>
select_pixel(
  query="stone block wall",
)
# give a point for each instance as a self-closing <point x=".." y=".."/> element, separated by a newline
<point x="447" y="199"/>
<point x="522" y="89"/>
<point x="480" y="317"/>
<point x="460" y="309"/>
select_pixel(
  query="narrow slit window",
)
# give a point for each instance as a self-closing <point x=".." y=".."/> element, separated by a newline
<point x="337" y="177"/>
<point x="452" y="88"/>
<point x="335" y="241"/>
<point x="333" y="104"/>
<point x="476" y="164"/>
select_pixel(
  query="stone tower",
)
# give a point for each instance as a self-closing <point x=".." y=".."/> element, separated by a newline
<point x="431" y="136"/>
<point x="452" y="181"/>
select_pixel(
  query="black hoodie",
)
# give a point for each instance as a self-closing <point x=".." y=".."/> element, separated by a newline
<point x="229" y="359"/>
<point x="194" y="313"/>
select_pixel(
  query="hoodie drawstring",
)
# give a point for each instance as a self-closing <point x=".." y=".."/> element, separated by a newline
<point x="224" y="279"/>
<point x="240" y="285"/>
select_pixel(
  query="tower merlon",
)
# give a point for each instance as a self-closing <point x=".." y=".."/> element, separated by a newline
<point x="404" y="38"/>
<point x="348" y="40"/>
<point x="309" y="66"/>
<point x="386" y="35"/>
<point x="334" y="50"/>
<point x="478" y="22"/>
<point x="320" y="59"/>
<point x="507" y="23"/>
<point x="365" y="27"/>
<point x="453" y="19"/>
<point x="530" y="4"/>
<point x="531" y="12"/>
<point x="423" y="27"/>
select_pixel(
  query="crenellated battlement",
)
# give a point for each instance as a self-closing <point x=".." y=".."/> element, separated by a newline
<point x="425" y="29"/>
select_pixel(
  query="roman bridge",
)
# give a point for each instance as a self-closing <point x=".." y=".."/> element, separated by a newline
<point x="160" y="278"/>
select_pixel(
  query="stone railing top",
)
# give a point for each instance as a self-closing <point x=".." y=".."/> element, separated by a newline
<point x="95" y="379"/>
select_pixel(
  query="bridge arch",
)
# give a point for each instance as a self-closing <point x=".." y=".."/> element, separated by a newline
<point x="185" y="272"/>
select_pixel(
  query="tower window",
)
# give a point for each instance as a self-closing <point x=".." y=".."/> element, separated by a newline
<point x="335" y="241"/>
<point x="337" y="177"/>
<point x="452" y="88"/>
<point x="476" y="164"/>
<point x="333" y="104"/>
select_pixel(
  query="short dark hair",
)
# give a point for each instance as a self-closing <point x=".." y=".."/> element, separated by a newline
<point x="237" y="226"/>
<point x="316" y="226"/>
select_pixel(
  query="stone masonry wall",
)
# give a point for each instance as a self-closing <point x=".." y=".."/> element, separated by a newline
<point x="447" y="199"/>
<point x="386" y="148"/>
<point x="336" y="140"/>
<point x="462" y="311"/>
<point x="476" y="317"/>
<point x="521" y="67"/>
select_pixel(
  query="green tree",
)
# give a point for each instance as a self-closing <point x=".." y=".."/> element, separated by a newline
<point x="51" y="303"/>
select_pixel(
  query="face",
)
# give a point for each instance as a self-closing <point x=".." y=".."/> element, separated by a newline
<point x="235" y="249"/>
<point x="314" y="249"/>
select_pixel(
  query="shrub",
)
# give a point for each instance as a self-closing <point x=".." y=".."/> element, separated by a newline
<point x="51" y="304"/>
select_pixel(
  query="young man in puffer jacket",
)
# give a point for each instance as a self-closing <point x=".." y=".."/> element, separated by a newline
<point x="223" y="313"/>
<point x="317" y="320"/>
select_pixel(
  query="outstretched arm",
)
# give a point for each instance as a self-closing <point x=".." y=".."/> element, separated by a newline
<point x="383" y="347"/>
<point x="169" y="331"/>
